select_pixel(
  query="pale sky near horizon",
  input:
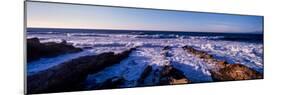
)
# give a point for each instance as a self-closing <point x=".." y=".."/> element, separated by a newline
<point x="54" y="15"/>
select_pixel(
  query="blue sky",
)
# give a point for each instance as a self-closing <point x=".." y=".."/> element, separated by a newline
<point x="52" y="15"/>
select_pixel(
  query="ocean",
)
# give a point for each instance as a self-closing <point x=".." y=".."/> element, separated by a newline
<point x="246" y="49"/>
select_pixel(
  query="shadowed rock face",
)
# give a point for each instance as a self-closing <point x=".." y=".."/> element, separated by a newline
<point x="70" y="76"/>
<point x="171" y="75"/>
<point x="111" y="83"/>
<point x="144" y="74"/>
<point x="224" y="71"/>
<point x="36" y="50"/>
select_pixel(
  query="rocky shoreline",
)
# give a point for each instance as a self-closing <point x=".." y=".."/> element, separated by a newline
<point x="71" y="75"/>
<point x="224" y="71"/>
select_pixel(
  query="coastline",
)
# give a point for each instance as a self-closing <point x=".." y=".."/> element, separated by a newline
<point x="165" y="74"/>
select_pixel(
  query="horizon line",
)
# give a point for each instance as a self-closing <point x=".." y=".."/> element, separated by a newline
<point x="145" y="30"/>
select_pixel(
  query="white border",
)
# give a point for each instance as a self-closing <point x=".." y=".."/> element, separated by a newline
<point x="11" y="39"/>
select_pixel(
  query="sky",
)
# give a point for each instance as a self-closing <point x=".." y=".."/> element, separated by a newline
<point x="54" y="15"/>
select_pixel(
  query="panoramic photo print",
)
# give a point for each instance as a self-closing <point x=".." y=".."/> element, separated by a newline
<point x="75" y="47"/>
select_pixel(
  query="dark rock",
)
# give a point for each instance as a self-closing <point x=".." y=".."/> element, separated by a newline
<point x="200" y="54"/>
<point x="33" y="46"/>
<point x="189" y="49"/>
<point x="87" y="47"/>
<point x="144" y="74"/>
<point x="63" y="42"/>
<point x="235" y="72"/>
<point x="36" y="50"/>
<point x="70" y="76"/>
<point x="111" y="83"/>
<point x="165" y="51"/>
<point x="33" y="40"/>
<point x="105" y="60"/>
<point x="166" y="48"/>
<point x="170" y="75"/>
<point x="208" y="56"/>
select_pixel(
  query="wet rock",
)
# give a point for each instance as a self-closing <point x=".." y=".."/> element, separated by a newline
<point x="111" y="83"/>
<point x="200" y="54"/>
<point x="224" y="71"/>
<point x="166" y="48"/>
<point x="33" y="46"/>
<point x="235" y="72"/>
<point x="179" y="81"/>
<point x="165" y="51"/>
<point x="170" y="75"/>
<point x="144" y="74"/>
<point x="189" y="49"/>
<point x="105" y="60"/>
<point x="70" y="76"/>
<point x="87" y="47"/>
<point x="36" y="50"/>
<point x="63" y="42"/>
<point x="208" y="56"/>
<point x="221" y="64"/>
<point x="33" y="41"/>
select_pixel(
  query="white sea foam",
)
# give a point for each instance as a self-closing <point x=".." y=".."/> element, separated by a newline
<point x="45" y="63"/>
<point x="149" y="53"/>
<point x="131" y="68"/>
<point x="194" y="69"/>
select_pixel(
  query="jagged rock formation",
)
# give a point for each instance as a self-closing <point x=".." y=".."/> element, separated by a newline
<point x="235" y="72"/>
<point x="69" y="76"/>
<point x="36" y="50"/>
<point x="224" y="71"/>
<point x="171" y="75"/>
